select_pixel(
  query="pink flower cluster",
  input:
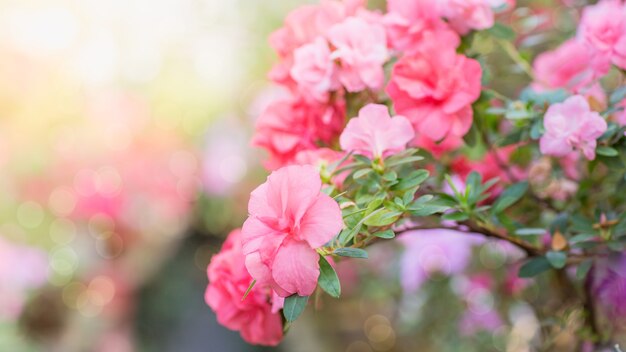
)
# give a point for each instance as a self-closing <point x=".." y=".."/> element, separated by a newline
<point x="336" y="48"/>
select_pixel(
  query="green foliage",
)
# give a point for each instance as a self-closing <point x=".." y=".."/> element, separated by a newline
<point x="328" y="279"/>
<point x="294" y="306"/>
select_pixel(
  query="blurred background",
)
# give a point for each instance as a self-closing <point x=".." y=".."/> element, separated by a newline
<point x="125" y="161"/>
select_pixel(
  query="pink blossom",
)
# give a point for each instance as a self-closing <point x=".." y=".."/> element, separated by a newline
<point x="361" y="49"/>
<point x="603" y="27"/>
<point x="465" y="15"/>
<point x="570" y="125"/>
<point x="571" y="66"/>
<point x="438" y="148"/>
<point x="375" y="134"/>
<point x="289" y="218"/>
<point x="321" y="160"/>
<point x="228" y="282"/>
<point x="22" y="268"/>
<point x="293" y="124"/>
<point x="411" y="24"/>
<point x="314" y="70"/>
<point x="435" y="90"/>
<point x="303" y="26"/>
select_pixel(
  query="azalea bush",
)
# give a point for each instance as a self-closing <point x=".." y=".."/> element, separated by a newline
<point x="442" y="121"/>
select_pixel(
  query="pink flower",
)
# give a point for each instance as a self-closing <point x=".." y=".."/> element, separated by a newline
<point x="228" y="282"/>
<point x="321" y="160"/>
<point x="435" y="90"/>
<point x="571" y="66"/>
<point x="361" y="49"/>
<point x="375" y="134"/>
<point x="289" y="218"/>
<point x="291" y="125"/>
<point x="438" y="148"/>
<point x="413" y="23"/>
<point x="303" y="26"/>
<point x="570" y="125"/>
<point x="603" y="27"/>
<point x="465" y="15"/>
<point x="314" y="70"/>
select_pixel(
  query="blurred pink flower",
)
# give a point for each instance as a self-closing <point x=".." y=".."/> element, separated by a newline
<point x="570" y="125"/>
<point x="253" y="317"/>
<point x="465" y="15"/>
<point x="603" y="27"/>
<point x="412" y="24"/>
<point x="292" y="124"/>
<point x="314" y="70"/>
<point x="361" y="50"/>
<point x="22" y="268"/>
<point x="480" y="313"/>
<point x="438" y="148"/>
<point x="429" y="251"/>
<point x="289" y="219"/>
<point x="375" y="134"/>
<point x="571" y="66"/>
<point x="435" y="90"/>
<point x="608" y="278"/>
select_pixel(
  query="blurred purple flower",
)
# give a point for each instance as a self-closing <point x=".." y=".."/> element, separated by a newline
<point x="430" y="251"/>
<point x="609" y="287"/>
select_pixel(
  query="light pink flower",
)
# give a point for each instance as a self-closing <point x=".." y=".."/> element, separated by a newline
<point x="603" y="27"/>
<point x="413" y="23"/>
<point x="435" y="90"/>
<point x="22" y="268"/>
<point x="361" y="49"/>
<point x="253" y="317"/>
<point x="571" y="66"/>
<point x="321" y="160"/>
<point x="302" y="26"/>
<point x="314" y="70"/>
<point x="293" y="124"/>
<point x="375" y="134"/>
<point x="289" y="218"/>
<point x="465" y="15"/>
<point x="570" y="125"/>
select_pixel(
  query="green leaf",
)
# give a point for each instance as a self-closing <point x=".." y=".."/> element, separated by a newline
<point x="362" y="159"/>
<point x="582" y="237"/>
<point x="458" y="216"/>
<point x="530" y="232"/>
<point x="328" y="280"/>
<point x="414" y="179"/>
<point x="618" y="95"/>
<point x="248" y="290"/>
<point x="583" y="269"/>
<point x="510" y="196"/>
<point x="607" y="151"/>
<point x="361" y="173"/>
<point x="557" y="259"/>
<point x="351" y="252"/>
<point x="534" y="267"/>
<point x="387" y="234"/>
<point x="383" y="217"/>
<point x="294" y="306"/>
<point x="501" y="31"/>
<point x="410" y="159"/>
<point x="427" y="209"/>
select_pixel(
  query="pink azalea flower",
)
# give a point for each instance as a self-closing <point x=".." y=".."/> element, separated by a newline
<point x="314" y="70"/>
<point x="571" y="66"/>
<point x="321" y="159"/>
<point x="375" y="134"/>
<point x="303" y="26"/>
<point x="438" y="148"/>
<point x="413" y="23"/>
<point x="289" y="218"/>
<point x="292" y="124"/>
<point x="603" y="27"/>
<point x="570" y="125"/>
<point x="435" y="90"/>
<point x="253" y="317"/>
<point x="465" y="15"/>
<point x="361" y="49"/>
